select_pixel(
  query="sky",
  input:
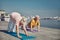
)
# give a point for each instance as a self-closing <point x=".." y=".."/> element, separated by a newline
<point x="43" y="8"/>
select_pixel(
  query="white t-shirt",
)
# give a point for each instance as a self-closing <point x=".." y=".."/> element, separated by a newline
<point x="16" y="17"/>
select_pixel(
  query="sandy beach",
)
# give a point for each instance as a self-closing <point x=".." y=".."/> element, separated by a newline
<point x="44" y="34"/>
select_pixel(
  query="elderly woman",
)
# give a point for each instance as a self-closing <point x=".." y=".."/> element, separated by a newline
<point x="15" y="19"/>
<point x="35" y="22"/>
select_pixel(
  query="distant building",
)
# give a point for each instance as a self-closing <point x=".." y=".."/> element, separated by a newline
<point x="4" y="16"/>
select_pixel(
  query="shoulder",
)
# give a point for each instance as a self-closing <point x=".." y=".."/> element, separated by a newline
<point x="32" y="20"/>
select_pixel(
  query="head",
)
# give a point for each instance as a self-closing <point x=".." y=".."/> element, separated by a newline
<point x="23" y="21"/>
<point x="37" y="17"/>
<point x="24" y="18"/>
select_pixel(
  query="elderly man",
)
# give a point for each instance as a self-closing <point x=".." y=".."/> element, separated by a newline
<point x="15" y="19"/>
<point x="35" y="22"/>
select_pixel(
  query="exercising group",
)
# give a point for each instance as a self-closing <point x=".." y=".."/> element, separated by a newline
<point x="16" y="21"/>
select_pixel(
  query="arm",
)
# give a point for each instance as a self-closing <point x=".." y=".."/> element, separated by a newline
<point x="25" y="30"/>
<point x="32" y="21"/>
<point x="31" y="27"/>
<point x="23" y="22"/>
<point x="38" y="26"/>
<point x="17" y="30"/>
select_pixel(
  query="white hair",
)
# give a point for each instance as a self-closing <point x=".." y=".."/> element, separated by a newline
<point x="37" y="16"/>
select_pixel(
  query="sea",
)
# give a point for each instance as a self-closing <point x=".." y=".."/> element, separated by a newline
<point x="50" y="23"/>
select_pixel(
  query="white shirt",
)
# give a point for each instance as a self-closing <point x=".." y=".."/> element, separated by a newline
<point x="16" y="17"/>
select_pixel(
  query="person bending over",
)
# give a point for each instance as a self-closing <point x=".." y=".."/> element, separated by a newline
<point x="35" y="22"/>
<point x="16" y="18"/>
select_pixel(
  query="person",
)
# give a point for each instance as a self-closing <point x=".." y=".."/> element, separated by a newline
<point x="35" y="22"/>
<point x="23" y="22"/>
<point x="15" y="19"/>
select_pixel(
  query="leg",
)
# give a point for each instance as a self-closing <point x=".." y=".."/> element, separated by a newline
<point x="17" y="30"/>
<point x="14" y="28"/>
<point x="10" y="26"/>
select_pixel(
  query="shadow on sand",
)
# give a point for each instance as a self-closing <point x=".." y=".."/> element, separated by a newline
<point x="24" y="37"/>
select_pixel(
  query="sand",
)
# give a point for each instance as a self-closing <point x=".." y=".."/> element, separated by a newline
<point x="44" y="34"/>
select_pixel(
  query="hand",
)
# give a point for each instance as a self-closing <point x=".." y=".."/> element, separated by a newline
<point x="38" y="30"/>
<point x="27" y="34"/>
<point x="31" y="30"/>
<point x="19" y="37"/>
